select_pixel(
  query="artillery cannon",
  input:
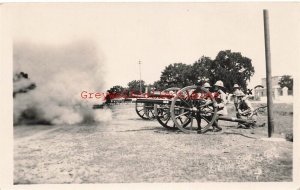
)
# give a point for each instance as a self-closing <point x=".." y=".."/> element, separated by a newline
<point x="180" y="110"/>
<point x="196" y="102"/>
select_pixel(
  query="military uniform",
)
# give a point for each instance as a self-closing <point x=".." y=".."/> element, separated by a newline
<point x="221" y="100"/>
<point x="236" y="91"/>
<point x="245" y="110"/>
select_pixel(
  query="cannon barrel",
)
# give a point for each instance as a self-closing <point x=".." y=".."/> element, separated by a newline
<point x="233" y="119"/>
<point x="153" y="101"/>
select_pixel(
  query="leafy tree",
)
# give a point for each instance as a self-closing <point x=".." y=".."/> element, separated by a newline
<point x="286" y="81"/>
<point x="158" y="85"/>
<point x="176" y="75"/>
<point x="135" y="86"/>
<point x="231" y="68"/>
<point x="201" y="70"/>
<point x="117" y="89"/>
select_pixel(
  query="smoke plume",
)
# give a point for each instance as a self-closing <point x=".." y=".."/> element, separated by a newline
<point x="48" y="81"/>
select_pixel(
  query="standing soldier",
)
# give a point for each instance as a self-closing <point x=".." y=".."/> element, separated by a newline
<point x="221" y="100"/>
<point x="220" y="97"/>
<point x="236" y="90"/>
<point x="204" y="95"/>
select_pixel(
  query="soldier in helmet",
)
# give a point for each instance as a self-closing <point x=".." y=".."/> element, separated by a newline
<point x="204" y="96"/>
<point x="244" y="109"/>
<point x="236" y="90"/>
<point x="207" y="87"/>
<point x="221" y="99"/>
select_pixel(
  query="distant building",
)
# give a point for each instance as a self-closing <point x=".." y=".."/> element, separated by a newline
<point x="278" y="93"/>
<point x="275" y="81"/>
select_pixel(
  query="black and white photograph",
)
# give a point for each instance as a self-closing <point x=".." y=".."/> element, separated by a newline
<point x="151" y="92"/>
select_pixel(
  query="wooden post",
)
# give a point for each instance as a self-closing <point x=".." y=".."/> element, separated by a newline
<point x="269" y="74"/>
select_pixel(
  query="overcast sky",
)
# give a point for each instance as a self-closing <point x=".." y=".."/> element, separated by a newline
<point x="161" y="34"/>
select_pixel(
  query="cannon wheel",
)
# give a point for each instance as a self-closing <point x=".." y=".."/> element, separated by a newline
<point x="162" y="112"/>
<point x="145" y="110"/>
<point x="163" y="116"/>
<point x="188" y="105"/>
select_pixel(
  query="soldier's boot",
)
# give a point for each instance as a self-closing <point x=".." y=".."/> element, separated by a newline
<point x="199" y="126"/>
<point x="216" y="127"/>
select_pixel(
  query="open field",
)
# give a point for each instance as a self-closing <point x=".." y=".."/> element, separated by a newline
<point x="128" y="149"/>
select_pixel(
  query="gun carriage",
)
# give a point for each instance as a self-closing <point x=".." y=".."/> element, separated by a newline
<point x="192" y="109"/>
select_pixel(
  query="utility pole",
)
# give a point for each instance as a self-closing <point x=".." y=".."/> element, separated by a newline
<point x="140" y="76"/>
<point x="269" y="74"/>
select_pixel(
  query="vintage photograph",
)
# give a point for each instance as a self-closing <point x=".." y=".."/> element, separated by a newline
<point x="153" y="92"/>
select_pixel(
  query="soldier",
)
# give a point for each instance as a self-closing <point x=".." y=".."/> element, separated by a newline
<point x="236" y="90"/>
<point x="220" y="97"/>
<point x="207" y="85"/>
<point x="245" y="110"/>
<point x="221" y="100"/>
<point x="204" y="96"/>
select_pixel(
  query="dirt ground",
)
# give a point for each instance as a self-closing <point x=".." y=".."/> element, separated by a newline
<point x="128" y="149"/>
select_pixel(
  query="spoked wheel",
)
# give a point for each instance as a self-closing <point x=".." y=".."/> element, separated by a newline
<point x="163" y="116"/>
<point x="162" y="112"/>
<point x="195" y="105"/>
<point x="145" y="110"/>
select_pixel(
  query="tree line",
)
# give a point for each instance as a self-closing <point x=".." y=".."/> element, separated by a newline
<point x="230" y="67"/>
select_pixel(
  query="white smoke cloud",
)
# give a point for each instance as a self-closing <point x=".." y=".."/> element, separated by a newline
<point x="60" y="75"/>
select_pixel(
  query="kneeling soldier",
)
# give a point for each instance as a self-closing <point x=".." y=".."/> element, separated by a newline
<point x="245" y="110"/>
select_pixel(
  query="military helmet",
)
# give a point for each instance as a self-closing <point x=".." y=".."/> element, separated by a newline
<point x="219" y="83"/>
<point x="236" y="86"/>
<point x="206" y="85"/>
